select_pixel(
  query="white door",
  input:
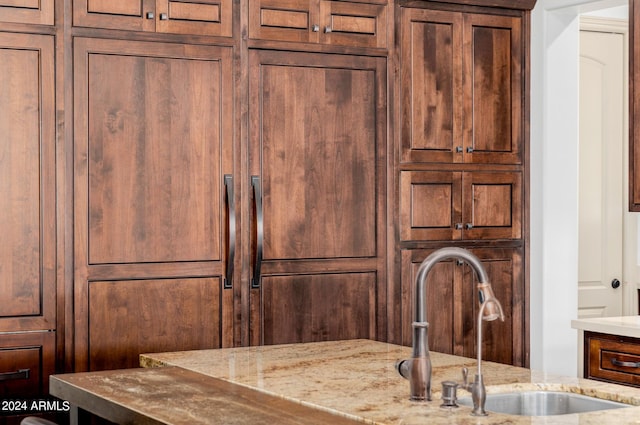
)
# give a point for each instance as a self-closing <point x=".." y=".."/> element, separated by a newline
<point x="601" y="172"/>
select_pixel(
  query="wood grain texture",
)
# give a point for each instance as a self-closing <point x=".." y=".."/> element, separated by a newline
<point x="27" y="11"/>
<point x="318" y="307"/>
<point x="131" y="317"/>
<point x="152" y="147"/>
<point x="317" y="142"/>
<point x="27" y="182"/>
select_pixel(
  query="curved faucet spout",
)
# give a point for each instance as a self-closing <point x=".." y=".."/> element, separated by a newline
<point x="426" y="266"/>
<point x="418" y="368"/>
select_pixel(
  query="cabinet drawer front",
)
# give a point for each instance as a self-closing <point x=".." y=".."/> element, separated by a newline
<point x="613" y="359"/>
<point x="284" y="20"/>
<point x="353" y="24"/>
<point x="27" y="11"/>
<point x="119" y="14"/>
<point x="26" y="361"/>
<point x="204" y="17"/>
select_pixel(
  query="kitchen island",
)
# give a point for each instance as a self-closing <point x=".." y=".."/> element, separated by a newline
<point x="357" y="380"/>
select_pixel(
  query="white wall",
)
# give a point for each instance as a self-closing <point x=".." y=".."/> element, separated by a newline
<point x="554" y="181"/>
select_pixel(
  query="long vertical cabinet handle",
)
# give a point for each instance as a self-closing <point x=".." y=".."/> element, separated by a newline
<point x="257" y="199"/>
<point x="231" y="231"/>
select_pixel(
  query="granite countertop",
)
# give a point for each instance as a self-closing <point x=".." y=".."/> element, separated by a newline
<point x="357" y="379"/>
<point x="621" y="326"/>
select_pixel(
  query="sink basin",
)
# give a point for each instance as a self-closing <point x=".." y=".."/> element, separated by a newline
<point x="543" y="403"/>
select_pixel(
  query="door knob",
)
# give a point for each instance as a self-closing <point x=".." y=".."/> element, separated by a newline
<point x="615" y="283"/>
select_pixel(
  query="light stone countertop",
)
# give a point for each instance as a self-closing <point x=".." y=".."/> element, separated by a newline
<point x="357" y="379"/>
<point x="621" y="326"/>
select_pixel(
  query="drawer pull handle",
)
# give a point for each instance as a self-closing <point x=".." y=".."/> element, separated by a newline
<point x="618" y="363"/>
<point x="18" y="374"/>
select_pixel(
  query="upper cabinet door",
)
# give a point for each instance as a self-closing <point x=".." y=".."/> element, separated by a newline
<point x="204" y="17"/>
<point x="27" y="11"/>
<point x="201" y="17"/>
<point x="492" y="59"/>
<point x="461" y="88"/>
<point x="431" y="80"/>
<point x="134" y="15"/>
<point x="361" y="24"/>
<point x="27" y="182"/>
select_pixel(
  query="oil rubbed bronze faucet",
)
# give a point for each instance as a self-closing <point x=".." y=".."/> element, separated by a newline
<point x="417" y="369"/>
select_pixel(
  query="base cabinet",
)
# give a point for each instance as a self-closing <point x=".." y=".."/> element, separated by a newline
<point x="612" y="358"/>
<point x="452" y="304"/>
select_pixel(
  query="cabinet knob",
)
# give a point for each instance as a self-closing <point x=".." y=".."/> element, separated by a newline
<point x="459" y="149"/>
<point x="150" y="15"/>
<point x="327" y="29"/>
<point x="315" y="28"/>
<point x="468" y="226"/>
<point x="469" y="149"/>
<point x="458" y="226"/>
<point x="615" y="283"/>
<point x="164" y="17"/>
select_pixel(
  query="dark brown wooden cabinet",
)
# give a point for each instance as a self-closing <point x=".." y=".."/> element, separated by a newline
<point x="153" y="143"/>
<point x="355" y="23"/>
<point x="612" y="358"/>
<point x="461" y="87"/>
<point x="452" y="304"/>
<point x="317" y="151"/>
<point x="27" y="11"/>
<point x="198" y="174"/>
<point x="458" y="205"/>
<point x="461" y="168"/>
<point x="204" y="17"/>
<point x="28" y="213"/>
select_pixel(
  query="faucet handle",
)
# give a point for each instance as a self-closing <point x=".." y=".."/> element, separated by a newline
<point x="465" y="377"/>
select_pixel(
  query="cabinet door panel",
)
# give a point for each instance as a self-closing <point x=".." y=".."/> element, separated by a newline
<point x="318" y="150"/>
<point x="353" y="24"/>
<point x="131" y="317"/>
<point x="285" y="20"/>
<point x="502" y="342"/>
<point x="27" y="182"/>
<point x="27" y="11"/>
<point x="308" y="308"/>
<point x="493" y="89"/>
<point x="430" y="205"/>
<point x="431" y="82"/>
<point x="317" y="143"/>
<point x="205" y="17"/>
<point x="492" y="205"/>
<point x="153" y="146"/>
<point x="115" y="14"/>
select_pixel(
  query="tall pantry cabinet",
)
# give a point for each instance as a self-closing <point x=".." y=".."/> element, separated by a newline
<point x="28" y="192"/>
<point x="462" y="167"/>
<point x="153" y="180"/>
<point x="317" y="159"/>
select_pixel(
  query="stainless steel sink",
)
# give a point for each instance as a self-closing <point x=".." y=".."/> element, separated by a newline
<point x="543" y="403"/>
